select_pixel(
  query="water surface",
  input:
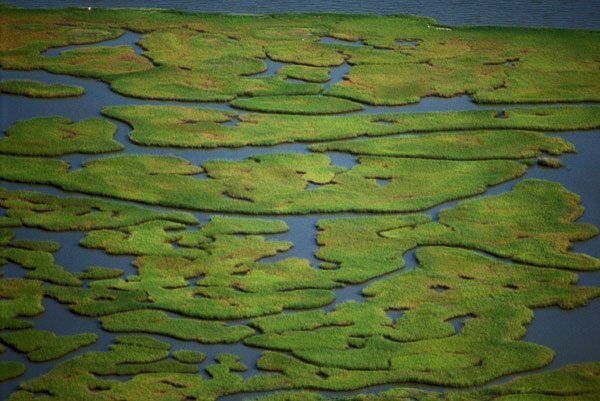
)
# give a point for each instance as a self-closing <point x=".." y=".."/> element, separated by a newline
<point x="547" y="13"/>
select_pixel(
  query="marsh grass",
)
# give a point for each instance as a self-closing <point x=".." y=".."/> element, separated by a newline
<point x="213" y="57"/>
<point x="53" y="213"/>
<point x="39" y="89"/>
<point x="311" y="105"/>
<point x="354" y="345"/>
<point x="42" y="345"/>
<point x="305" y="73"/>
<point x="493" y="259"/>
<point x="56" y="136"/>
<point x="465" y="145"/>
<point x="203" y="128"/>
<point x="273" y="183"/>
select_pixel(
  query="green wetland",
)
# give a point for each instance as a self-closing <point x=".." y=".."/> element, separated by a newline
<point x="296" y="207"/>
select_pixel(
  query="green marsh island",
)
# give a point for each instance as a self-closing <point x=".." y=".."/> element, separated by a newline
<point x="291" y="207"/>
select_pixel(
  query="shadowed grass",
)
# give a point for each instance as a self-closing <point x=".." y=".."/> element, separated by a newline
<point x="10" y="370"/>
<point x="54" y="213"/>
<point x="20" y="298"/>
<point x="41" y="345"/>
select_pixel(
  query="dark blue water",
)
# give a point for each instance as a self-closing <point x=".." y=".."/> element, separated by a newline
<point x="545" y="13"/>
<point x="97" y="96"/>
<point x="77" y="258"/>
<point x="62" y="322"/>
<point x="567" y="332"/>
<point x="571" y="336"/>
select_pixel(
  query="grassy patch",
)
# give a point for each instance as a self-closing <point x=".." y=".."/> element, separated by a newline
<point x="187" y="356"/>
<point x="35" y="256"/>
<point x="10" y="370"/>
<point x="357" y="344"/>
<point x="467" y="145"/>
<point x="274" y="183"/>
<point x="56" y="136"/>
<point x="54" y="213"/>
<point x="39" y="89"/>
<point x="483" y="62"/>
<point x="208" y="57"/>
<point x="573" y="382"/>
<point x="305" y="73"/>
<point x="41" y="345"/>
<point x="220" y="258"/>
<point x="550" y="162"/>
<point x="20" y="298"/>
<point x="174" y="83"/>
<point x="172" y="126"/>
<point x="297" y="104"/>
<point x="200" y="128"/>
<point x="534" y="223"/>
<point x="158" y="322"/>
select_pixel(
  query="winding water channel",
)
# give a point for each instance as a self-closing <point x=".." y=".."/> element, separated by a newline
<point x="569" y="333"/>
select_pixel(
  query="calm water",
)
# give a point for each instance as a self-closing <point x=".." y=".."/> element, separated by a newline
<point x="567" y="332"/>
<point x="547" y="13"/>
